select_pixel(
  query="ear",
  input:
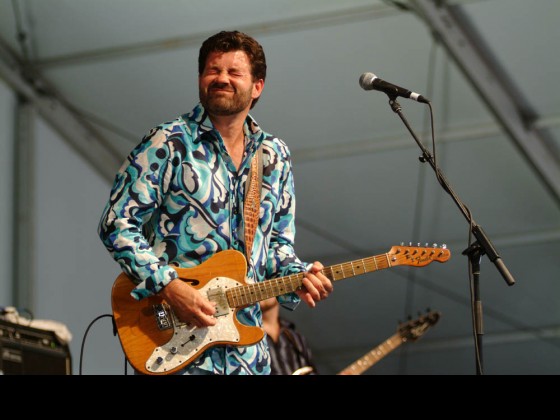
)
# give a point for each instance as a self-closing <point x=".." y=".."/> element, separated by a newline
<point x="258" y="87"/>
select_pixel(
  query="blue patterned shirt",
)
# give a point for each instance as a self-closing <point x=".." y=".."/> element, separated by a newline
<point x="178" y="199"/>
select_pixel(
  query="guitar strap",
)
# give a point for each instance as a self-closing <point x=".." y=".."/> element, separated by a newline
<point x="252" y="204"/>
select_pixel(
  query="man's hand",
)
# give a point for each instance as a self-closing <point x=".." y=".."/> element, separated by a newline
<point x="188" y="304"/>
<point x="316" y="286"/>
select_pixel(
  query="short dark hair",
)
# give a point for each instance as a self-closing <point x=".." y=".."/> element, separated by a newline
<point x="226" y="41"/>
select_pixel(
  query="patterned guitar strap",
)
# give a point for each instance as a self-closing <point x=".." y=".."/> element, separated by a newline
<point x="252" y="204"/>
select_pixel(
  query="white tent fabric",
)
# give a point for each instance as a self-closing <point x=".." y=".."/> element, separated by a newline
<point x="96" y="75"/>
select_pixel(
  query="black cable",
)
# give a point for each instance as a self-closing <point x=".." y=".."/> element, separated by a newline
<point x="86" y="333"/>
<point x="410" y="285"/>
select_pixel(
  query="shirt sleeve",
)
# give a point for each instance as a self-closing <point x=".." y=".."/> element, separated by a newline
<point x="282" y="259"/>
<point x="137" y="192"/>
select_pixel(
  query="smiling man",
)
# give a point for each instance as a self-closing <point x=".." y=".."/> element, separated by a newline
<point x="179" y="200"/>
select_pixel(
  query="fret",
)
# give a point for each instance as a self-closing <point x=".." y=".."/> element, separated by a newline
<point x="390" y="343"/>
<point x="338" y="274"/>
<point x="249" y="293"/>
<point x="364" y="361"/>
<point x="268" y="289"/>
<point x="241" y="295"/>
<point x="260" y="289"/>
<point x="364" y="266"/>
<point x="272" y="290"/>
<point x="388" y="261"/>
<point x="258" y="292"/>
<point x="380" y="351"/>
<point x="279" y="288"/>
<point x="232" y="298"/>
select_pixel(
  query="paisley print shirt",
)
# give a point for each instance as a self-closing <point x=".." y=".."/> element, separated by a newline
<point x="178" y="199"/>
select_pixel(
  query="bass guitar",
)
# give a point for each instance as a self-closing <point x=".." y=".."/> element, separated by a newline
<point x="410" y="331"/>
<point x="156" y="342"/>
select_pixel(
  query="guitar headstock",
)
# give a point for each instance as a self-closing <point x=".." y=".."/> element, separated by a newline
<point x="417" y="256"/>
<point x="414" y="329"/>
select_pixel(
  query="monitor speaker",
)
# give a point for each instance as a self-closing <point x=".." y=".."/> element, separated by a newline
<point x="32" y="351"/>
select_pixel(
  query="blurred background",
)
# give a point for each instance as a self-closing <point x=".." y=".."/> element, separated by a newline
<point x="82" y="81"/>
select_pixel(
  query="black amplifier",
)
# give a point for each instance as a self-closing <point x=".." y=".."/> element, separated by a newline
<point x="32" y="351"/>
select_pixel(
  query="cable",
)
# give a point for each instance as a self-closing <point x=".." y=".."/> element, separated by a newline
<point x="411" y="275"/>
<point x="86" y="333"/>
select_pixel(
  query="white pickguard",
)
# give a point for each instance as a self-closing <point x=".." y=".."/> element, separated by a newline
<point x="187" y="340"/>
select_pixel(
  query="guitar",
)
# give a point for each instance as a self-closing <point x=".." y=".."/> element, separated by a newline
<point x="411" y="331"/>
<point x="156" y="342"/>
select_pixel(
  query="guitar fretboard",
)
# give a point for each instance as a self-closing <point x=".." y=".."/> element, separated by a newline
<point x="373" y="356"/>
<point x="252" y="293"/>
<point x="357" y="267"/>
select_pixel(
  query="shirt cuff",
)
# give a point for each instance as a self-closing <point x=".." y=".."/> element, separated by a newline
<point x="155" y="283"/>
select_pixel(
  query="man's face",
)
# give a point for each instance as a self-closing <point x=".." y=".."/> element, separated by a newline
<point x="226" y="86"/>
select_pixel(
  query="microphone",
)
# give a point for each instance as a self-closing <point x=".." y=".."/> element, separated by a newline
<point x="369" y="81"/>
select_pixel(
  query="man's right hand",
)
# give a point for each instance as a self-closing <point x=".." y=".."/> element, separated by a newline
<point x="188" y="304"/>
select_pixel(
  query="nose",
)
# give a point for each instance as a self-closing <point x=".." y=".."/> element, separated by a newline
<point x="222" y="77"/>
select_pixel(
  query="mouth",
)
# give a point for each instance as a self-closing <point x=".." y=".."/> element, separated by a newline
<point x="221" y="89"/>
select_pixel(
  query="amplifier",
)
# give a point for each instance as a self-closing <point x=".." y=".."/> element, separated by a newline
<point x="32" y="351"/>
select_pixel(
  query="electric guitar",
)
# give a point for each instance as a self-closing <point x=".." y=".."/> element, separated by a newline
<point x="156" y="342"/>
<point x="411" y="331"/>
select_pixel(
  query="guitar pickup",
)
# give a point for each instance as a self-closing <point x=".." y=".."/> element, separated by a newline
<point x="161" y="314"/>
<point x="218" y="296"/>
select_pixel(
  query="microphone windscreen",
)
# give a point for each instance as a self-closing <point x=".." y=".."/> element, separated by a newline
<point x="366" y="80"/>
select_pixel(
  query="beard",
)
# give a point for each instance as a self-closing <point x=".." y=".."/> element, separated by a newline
<point x="219" y="104"/>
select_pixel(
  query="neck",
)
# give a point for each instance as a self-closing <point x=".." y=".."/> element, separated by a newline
<point x="230" y="128"/>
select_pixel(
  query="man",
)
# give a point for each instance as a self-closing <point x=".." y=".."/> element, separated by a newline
<point x="179" y="199"/>
<point x="290" y="353"/>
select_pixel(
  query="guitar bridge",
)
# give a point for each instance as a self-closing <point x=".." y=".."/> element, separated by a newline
<point x="161" y="314"/>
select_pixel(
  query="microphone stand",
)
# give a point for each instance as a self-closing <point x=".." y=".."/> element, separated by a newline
<point x="475" y="251"/>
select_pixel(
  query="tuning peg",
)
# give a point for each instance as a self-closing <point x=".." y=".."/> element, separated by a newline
<point x="435" y="245"/>
<point x="443" y="246"/>
<point x="402" y="243"/>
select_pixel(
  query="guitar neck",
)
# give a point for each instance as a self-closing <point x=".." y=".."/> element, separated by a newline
<point x="373" y="356"/>
<point x="253" y="293"/>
